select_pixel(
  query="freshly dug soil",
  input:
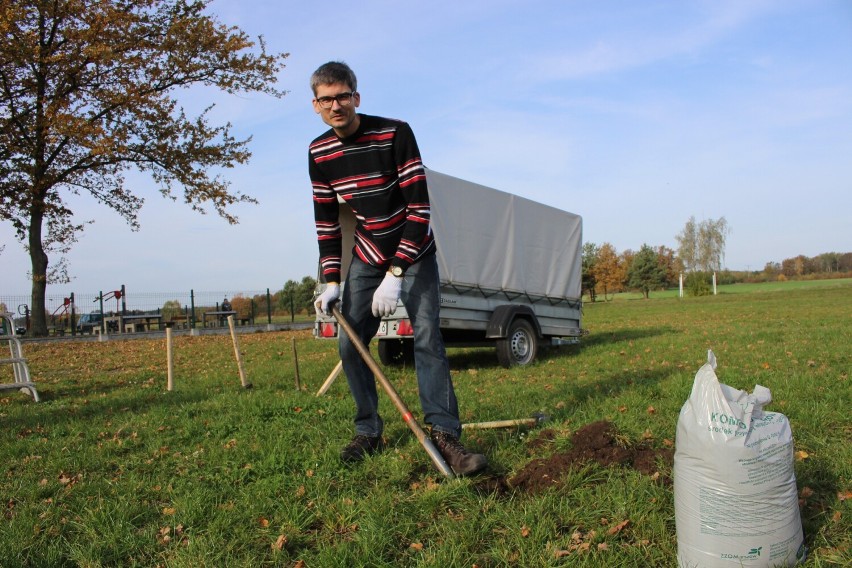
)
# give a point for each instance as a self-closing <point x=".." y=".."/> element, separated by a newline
<point x="596" y="442"/>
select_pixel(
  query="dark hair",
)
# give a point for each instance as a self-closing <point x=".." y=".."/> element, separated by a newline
<point x="333" y="72"/>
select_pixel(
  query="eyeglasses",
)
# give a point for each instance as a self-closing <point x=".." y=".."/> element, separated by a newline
<point x="343" y="99"/>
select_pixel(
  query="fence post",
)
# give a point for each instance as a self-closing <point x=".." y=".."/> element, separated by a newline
<point x="192" y="309"/>
<point x="73" y="317"/>
<point x="268" y="307"/>
<point x="103" y="315"/>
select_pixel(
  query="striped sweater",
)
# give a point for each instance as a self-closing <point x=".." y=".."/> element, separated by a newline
<point x="379" y="173"/>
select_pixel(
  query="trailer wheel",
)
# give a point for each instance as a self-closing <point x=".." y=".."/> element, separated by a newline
<point x="520" y="345"/>
<point x="395" y="352"/>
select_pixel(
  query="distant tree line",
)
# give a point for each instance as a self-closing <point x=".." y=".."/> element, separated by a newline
<point x="827" y="264"/>
<point x="699" y="256"/>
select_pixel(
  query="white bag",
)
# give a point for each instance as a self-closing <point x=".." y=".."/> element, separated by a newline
<point x="735" y="494"/>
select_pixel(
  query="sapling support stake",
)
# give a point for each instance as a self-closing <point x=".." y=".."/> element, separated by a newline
<point x="170" y="383"/>
<point x="424" y="440"/>
<point x="296" y="363"/>
<point x="243" y="381"/>
<point x="328" y="382"/>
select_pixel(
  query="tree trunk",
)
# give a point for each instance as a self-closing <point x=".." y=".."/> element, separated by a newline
<point x="38" y="259"/>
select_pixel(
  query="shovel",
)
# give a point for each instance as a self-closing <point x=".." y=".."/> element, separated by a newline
<point x="424" y="440"/>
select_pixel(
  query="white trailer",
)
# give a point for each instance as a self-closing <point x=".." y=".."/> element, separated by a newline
<point x="510" y="270"/>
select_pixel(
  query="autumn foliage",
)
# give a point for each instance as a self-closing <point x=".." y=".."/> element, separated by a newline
<point x="88" y="90"/>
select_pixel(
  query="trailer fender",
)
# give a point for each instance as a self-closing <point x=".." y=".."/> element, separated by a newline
<point x="503" y="316"/>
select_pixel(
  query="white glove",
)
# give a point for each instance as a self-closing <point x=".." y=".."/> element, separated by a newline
<point x="387" y="295"/>
<point x="328" y="296"/>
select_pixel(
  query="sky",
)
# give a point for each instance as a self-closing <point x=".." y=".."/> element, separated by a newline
<point x="634" y="115"/>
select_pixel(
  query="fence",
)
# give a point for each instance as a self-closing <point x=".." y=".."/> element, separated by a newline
<point x="116" y="310"/>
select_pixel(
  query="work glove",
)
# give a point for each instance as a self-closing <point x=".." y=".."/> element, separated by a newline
<point x="387" y="295"/>
<point x="328" y="296"/>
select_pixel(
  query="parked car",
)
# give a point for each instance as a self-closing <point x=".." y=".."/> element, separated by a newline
<point x="88" y="322"/>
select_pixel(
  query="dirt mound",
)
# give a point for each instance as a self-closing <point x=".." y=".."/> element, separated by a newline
<point x="597" y="442"/>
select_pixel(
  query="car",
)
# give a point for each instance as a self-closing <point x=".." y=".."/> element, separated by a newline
<point x="88" y="322"/>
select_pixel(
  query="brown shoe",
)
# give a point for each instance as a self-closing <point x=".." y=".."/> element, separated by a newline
<point x="360" y="447"/>
<point x="457" y="457"/>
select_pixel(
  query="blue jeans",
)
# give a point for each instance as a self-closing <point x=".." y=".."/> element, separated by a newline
<point x="421" y="297"/>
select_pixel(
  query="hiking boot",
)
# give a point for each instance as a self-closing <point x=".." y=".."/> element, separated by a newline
<point x="457" y="457"/>
<point x="360" y="447"/>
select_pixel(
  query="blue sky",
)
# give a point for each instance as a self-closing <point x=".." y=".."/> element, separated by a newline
<point x="634" y="115"/>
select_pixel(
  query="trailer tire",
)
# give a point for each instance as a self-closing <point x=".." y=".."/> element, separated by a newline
<point x="396" y="352"/>
<point x="520" y="345"/>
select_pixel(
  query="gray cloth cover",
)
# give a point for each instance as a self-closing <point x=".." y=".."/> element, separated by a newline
<point x="494" y="240"/>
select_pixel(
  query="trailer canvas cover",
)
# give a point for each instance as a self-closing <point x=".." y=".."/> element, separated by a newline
<point x="493" y="240"/>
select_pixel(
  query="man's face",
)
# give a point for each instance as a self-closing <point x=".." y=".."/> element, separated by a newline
<point x="343" y="118"/>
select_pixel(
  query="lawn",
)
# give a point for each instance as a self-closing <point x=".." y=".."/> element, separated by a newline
<point x="111" y="469"/>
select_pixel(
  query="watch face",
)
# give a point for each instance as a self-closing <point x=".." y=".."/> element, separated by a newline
<point x="396" y="271"/>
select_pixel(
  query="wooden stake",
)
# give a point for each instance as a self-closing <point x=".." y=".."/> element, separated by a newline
<point x="296" y="363"/>
<point x="169" y="360"/>
<point x="237" y="354"/>
<point x="327" y="384"/>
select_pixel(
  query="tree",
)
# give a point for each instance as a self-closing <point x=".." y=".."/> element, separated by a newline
<point x="669" y="264"/>
<point x="608" y="270"/>
<point x="687" y="250"/>
<point x="87" y="90"/>
<point x="590" y="257"/>
<point x="296" y="296"/>
<point x="645" y="272"/>
<point x="701" y="246"/>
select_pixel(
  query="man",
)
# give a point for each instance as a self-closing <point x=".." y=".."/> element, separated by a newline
<point x="374" y="164"/>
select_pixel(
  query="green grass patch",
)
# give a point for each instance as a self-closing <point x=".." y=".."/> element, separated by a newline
<point x="111" y="469"/>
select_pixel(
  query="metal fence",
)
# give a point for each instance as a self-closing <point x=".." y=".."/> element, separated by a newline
<point x="75" y="312"/>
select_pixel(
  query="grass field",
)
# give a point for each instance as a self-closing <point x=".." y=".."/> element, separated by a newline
<point x="110" y="469"/>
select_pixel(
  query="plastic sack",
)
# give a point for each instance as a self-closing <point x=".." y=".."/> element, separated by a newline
<point x="735" y="494"/>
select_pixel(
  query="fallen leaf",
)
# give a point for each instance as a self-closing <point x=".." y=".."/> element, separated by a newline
<point x="618" y="528"/>
<point x="603" y="546"/>
<point x="525" y="531"/>
<point x="802" y="455"/>
<point x="836" y="516"/>
<point x="622" y="409"/>
<point x="280" y="542"/>
<point x="844" y="495"/>
<point x="169" y="510"/>
<point x="806" y="492"/>
<point x="263" y="522"/>
<point x="416" y="546"/>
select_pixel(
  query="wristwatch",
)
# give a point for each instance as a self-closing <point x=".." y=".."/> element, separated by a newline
<point x="396" y="271"/>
